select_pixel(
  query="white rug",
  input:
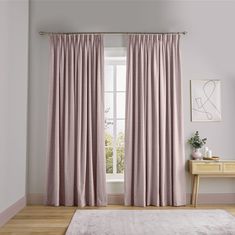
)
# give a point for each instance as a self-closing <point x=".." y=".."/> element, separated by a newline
<point x="150" y="222"/>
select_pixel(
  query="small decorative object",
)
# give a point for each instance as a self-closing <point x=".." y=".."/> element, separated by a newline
<point x="196" y="154"/>
<point x="209" y="154"/>
<point x="212" y="158"/>
<point x="205" y="100"/>
<point x="206" y="149"/>
<point x="196" y="142"/>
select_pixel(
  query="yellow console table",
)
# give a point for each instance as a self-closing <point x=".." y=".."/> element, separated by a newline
<point x="209" y="168"/>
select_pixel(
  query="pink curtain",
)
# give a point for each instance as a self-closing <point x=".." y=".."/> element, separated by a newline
<point x="154" y="152"/>
<point x="76" y="168"/>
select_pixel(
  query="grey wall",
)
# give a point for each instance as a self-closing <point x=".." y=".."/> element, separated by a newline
<point x="13" y="100"/>
<point x="208" y="52"/>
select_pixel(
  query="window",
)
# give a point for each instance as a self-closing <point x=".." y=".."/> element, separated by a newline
<point x="115" y="86"/>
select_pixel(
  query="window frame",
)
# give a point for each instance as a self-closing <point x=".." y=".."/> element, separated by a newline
<point x="115" y="57"/>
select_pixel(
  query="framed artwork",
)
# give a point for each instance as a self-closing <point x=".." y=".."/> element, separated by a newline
<point x="205" y="100"/>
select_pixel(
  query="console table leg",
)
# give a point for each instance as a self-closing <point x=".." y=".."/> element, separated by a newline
<point x="197" y="189"/>
<point x="193" y="190"/>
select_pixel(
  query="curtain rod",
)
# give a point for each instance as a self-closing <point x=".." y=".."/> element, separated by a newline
<point x="113" y="33"/>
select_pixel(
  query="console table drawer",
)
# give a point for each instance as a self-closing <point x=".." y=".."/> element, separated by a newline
<point x="207" y="168"/>
<point x="229" y="167"/>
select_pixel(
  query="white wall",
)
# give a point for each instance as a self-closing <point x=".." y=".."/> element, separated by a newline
<point x="13" y="100"/>
<point x="208" y="52"/>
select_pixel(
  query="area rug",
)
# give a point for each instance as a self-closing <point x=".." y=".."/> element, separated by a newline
<point x="150" y="222"/>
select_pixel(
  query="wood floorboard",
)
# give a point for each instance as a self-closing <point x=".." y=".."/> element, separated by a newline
<point x="55" y="220"/>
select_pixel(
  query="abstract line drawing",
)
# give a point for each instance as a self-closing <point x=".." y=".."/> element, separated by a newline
<point x="206" y="100"/>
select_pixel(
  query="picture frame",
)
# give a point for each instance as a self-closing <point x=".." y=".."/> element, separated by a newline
<point x="205" y="100"/>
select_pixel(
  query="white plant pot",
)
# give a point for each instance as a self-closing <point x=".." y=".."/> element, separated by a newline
<point x="196" y="154"/>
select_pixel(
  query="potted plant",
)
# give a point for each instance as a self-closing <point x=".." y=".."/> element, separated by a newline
<point x="196" y="142"/>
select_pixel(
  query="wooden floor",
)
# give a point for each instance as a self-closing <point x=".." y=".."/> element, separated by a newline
<point x="55" y="220"/>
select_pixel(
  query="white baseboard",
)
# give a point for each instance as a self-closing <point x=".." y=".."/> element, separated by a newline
<point x="35" y="199"/>
<point x="118" y="199"/>
<point x="11" y="211"/>
<point x="203" y="198"/>
<point x="214" y="198"/>
<point x="38" y="199"/>
<point x="115" y="199"/>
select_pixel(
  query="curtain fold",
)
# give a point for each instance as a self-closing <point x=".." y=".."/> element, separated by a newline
<point x="154" y="151"/>
<point x="76" y="167"/>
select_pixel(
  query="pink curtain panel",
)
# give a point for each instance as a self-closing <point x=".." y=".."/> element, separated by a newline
<point x="154" y="151"/>
<point x="76" y="167"/>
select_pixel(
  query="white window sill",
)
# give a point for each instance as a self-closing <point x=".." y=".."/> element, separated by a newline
<point x="114" y="180"/>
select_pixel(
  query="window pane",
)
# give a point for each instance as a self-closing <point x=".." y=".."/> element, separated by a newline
<point x="108" y="105"/>
<point x="120" y="132"/>
<point x="121" y="105"/>
<point x="108" y="132"/>
<point x="115" y="86"/>
<point x="120" y="160"/>
<point x="108" y="78"/>
<point x="121" y="77"/>
<point x="109" y="160"/>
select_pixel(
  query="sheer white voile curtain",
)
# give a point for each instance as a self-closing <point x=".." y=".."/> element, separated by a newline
<point x="154" y="151"/>
<point x="76" y="167"/>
